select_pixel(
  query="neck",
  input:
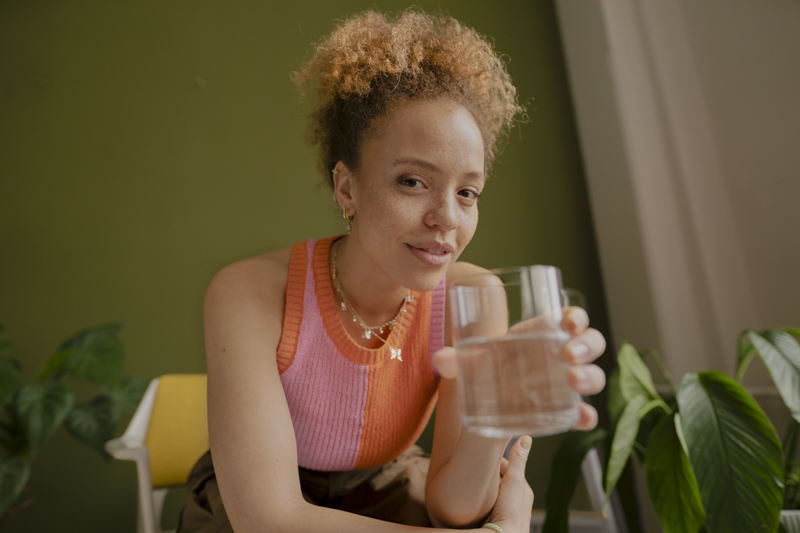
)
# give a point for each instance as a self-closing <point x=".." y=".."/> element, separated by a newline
<point x="375" y="296"/>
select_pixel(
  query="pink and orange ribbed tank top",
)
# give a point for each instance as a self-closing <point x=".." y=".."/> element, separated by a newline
<point x="353" y="407"/>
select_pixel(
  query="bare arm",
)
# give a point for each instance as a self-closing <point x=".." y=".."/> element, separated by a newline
<point x="463" y="485"/>
<point x="251" y="433"/>
<point x="464" y="473"/>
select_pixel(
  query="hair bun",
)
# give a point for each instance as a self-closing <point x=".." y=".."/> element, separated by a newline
<point x="372" y="62"/>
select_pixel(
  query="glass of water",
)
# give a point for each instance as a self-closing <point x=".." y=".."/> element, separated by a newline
<point x="512" y="376"/>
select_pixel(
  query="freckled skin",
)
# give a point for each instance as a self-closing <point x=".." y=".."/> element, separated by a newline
<point x="418" y="182"/>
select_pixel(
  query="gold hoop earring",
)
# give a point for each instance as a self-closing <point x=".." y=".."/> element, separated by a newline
<point x="348" y="218"/>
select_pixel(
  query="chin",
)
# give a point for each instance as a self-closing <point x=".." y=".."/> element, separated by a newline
<point x="426" y="282"/>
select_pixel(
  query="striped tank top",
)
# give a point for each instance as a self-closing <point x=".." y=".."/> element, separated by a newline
<point x="353" y="407"/>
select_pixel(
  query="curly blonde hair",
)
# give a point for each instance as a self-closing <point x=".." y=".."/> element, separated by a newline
<point x="371" y="63"/>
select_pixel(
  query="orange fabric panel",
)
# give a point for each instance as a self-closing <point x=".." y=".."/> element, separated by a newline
<point x="293" y="310"/>
<point x="401" y="395"/>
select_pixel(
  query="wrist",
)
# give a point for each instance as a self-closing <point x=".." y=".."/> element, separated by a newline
<point x="475" y="442"/>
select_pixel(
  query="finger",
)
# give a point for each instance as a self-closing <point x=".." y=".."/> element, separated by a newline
<point x="517" y="458"/>
<point x="445" y="362"/>
<point x="588" y="417"/>
<point x="575" y="320"/>
<point x="547" y="322"/>
<point x="587" y="379"/>
<point x="585" y="347"/>
<point x="503" y="466"/>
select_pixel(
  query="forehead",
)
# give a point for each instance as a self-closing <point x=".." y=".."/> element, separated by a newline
<point x="440" y="132"/>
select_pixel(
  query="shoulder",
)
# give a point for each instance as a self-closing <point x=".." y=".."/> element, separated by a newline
<point x="243" y="313"/>
<point x="256" y="279"/>
<point x="461" y="269"/>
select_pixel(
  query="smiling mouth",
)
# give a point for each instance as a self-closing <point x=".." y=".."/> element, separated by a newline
<point x="431" y="256"/>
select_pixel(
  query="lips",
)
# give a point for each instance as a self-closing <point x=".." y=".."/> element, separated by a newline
<point x="435" y="254"/>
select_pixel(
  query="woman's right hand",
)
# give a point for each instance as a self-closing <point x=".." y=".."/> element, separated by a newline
<point x="512" y="510"/>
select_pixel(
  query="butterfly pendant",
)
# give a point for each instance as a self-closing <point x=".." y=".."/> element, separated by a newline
<point x="396" y="353"/>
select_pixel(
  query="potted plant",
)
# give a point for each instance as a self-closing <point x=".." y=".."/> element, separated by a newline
<point x="713" y="460"/>
<point x="31" y="412"/>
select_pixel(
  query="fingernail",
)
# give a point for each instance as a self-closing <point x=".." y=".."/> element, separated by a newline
<point x="525" y="442"/>
<point x="578" y="350"/>
<point x="578" y="322"/>
<point x="581" y="375"/>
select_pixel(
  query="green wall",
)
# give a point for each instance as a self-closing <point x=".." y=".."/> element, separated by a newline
<point x="144" y="145"/>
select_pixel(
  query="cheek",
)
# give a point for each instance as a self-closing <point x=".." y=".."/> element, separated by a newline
<point x="466" y="230"/>
<point x="395" y="210"/>
<point x="469" y="224"/>
<point x="387" y="213"/>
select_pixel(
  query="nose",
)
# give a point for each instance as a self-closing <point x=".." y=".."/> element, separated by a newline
<point x="443" y="213"/>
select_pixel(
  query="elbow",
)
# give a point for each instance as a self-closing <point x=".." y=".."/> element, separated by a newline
<point x="288" y="516"/>
<point x="456" y="518"/>
<point x="285" y="515"/>
<point x="455" y="514"/>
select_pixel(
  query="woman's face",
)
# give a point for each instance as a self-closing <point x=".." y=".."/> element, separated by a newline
<point x="415" y="195"/>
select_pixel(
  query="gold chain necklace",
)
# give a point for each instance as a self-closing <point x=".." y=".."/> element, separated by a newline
<point x="369" y="331"/>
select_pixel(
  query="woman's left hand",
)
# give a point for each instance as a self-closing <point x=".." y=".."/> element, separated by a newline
<point x="585" y="345"/>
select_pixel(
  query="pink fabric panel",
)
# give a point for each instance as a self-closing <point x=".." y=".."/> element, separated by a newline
<point x="436" y="334"/>
<point x="326" y="392"/>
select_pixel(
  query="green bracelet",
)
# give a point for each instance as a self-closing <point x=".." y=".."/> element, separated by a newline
<point x="489" y="525"/>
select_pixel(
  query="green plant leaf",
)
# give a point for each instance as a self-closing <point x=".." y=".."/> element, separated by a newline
<point x="564" y="477"/>
<point x="622" y="442"/>
<point x="127" y="395"/>
<point x="88" y="337"/>
<point x="634" y="376"/>
<point x="780" y="353"/>
<point x="10" y="373"/>
<point x="14" y="474"/>
<point x="95" y="354"/>
<point x="41" y="408"/>
<point x="790" y="440"/>
<point x="744" y="353"/>
<point x="101" y="362"/>
<point x="616" y="401"/>
<point x="93" y="422"/>
<point x="52" y="365"/>
<point x="791" y="497"/>
<point x="670" y="480"/>
<point x="650" y="417"/>
<point x="793" y="331"/>
<point x="734" y="452"/>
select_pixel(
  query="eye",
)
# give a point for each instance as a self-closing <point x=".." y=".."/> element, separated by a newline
<point x="469" y="194"/>
<point x="412" y="183"/>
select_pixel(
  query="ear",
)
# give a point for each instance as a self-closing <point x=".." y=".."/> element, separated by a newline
<point x="344" y="187"/>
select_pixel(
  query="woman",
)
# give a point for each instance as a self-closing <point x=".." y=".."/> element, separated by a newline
<point x="325" y="360"/>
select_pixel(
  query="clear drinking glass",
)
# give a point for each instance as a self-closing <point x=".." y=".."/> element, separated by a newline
<point x="512" y="377"/>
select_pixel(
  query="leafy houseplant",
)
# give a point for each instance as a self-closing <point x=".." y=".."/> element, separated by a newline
<point x="713" y="460"/>
<point x="32" y="412"/>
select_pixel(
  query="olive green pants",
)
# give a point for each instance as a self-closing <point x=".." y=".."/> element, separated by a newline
<point x="394" y="492"/>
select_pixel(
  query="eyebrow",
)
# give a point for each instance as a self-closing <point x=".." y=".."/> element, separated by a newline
<point x="415" y="161"/>
<point x="427" y="165"/>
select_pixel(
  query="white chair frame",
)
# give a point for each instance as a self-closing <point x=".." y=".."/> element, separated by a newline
<point x="131" y="447"/>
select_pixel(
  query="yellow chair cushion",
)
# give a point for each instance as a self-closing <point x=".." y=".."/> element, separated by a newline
<point x="178" y="432"/>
